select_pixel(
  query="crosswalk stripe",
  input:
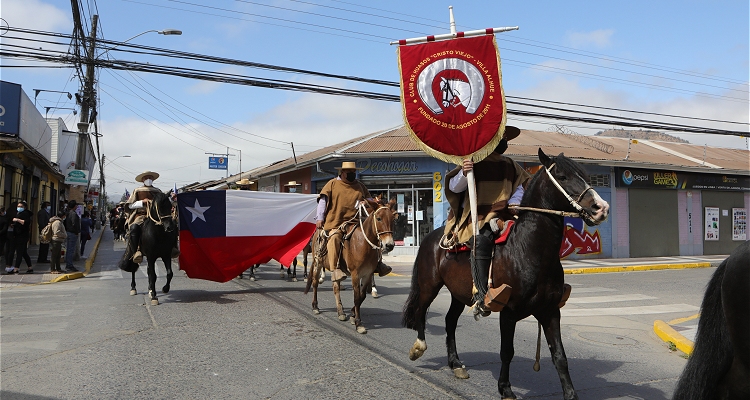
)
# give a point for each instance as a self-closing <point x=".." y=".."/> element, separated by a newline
<point x="592" y="290"/>
<point x="609" y="298"/>
<point x="658" y="309"/>
<point x="34" y="328"/>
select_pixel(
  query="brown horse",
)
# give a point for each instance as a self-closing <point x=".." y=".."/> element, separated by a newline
<point x="371" y="235"/>
<point x="529" y="262"/>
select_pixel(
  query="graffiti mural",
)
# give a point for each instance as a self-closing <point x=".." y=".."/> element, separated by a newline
<point x="578" y="240"/>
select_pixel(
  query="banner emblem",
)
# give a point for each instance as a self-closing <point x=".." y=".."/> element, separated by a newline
<point x="452" y="97"/>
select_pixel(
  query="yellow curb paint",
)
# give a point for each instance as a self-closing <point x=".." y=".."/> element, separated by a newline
<point x="681" y="320"/>
<point x="630" y="268"/>
<point x="68" y="277"/>
<point x="394" y="274"/>
<point x="92" y="255"/>
<point x="668" y="334"/>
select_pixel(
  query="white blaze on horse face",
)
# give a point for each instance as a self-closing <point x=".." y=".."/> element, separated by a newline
<point x="603" y="211"/>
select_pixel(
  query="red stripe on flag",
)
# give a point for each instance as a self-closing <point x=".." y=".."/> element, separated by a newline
<point x="220" y="259"/>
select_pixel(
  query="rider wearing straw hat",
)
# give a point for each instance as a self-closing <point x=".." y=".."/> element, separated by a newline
<point x="138" y="202"/>
<point x="336" y="206"/>
<point x="500" y="181"/>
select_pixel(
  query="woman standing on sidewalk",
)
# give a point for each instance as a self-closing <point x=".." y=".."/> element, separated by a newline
<point x="20" y="224"/>
<point x="58" y="238"/>
<point x="86" y="227"/>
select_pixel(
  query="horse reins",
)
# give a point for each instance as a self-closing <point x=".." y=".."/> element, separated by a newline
<point x="575" y="203"/>
<point x="156" y="221"/>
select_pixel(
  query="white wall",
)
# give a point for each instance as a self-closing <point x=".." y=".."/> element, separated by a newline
<point x="33" y="128"/>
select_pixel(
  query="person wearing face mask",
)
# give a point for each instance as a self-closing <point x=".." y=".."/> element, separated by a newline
<point x="336" y="205"/>
<point x="73" y="229"/>
<point x="137" y="205"/>
<point x="4" y="237"/>
<point x="21" y="224"/>
<point x="42" y="219"/>
<point x="499" y="181"/>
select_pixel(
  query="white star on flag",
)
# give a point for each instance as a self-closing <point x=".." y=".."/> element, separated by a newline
<point x="197" y="211"/>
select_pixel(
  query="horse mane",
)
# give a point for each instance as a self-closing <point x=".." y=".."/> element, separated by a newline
<point x="560" y="161"/>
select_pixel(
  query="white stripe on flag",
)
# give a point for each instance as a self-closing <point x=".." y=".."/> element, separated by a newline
<point x="251" y="213"/>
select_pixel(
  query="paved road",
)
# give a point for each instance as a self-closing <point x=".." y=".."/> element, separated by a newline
<point x="88" y="338"/>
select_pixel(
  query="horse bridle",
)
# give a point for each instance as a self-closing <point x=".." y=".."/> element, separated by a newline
<point x="158" y="214"/>
<point x="582" y="213"/>
<point x="363" y="210"/>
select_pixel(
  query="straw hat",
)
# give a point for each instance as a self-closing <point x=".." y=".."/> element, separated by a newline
<point x="349" y="165"/>
<point x="293" y="183"/>
<point x="142" y="175"/>
<point x="244" y="181"/>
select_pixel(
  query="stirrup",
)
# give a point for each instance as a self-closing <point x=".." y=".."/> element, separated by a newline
<point x="479" y="309"/>
<point x="137" y="257"/>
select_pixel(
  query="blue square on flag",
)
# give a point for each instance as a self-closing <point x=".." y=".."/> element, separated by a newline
<point x="204" y="213"/>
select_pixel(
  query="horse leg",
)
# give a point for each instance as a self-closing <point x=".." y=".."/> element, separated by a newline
<point x="507" y="351"/>
<point x="451" y="321"/>
<point x="339" y="306"/>
<point x="374" y="290"/>
<point x="133" y="292"/>
<point x="551" y="326"/>
<point x="168" y="265"/>
<point x="152" y="282"/>
<point x="358" y="287"/>
<point x="294" y="273"/>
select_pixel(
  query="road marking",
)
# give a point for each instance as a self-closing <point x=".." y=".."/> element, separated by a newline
<point x="681" y="320"/>
<point x="35" y="328"/>
<point x="609" y="299"/>
<point x="592" y="290"/>
<point x="658" y="309"/>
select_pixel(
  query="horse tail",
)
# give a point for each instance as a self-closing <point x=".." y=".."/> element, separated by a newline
<point x="312" y="275"/>
<point x="712" y="351"/>
<point x="409" y="316"/>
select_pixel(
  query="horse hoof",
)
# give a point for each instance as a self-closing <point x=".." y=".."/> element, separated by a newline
<point x="353" y="321"/>
<point x="320" y="281"/>
<point x="165" y="289"/>
<point x="343" y="317"/>
<point x="374" y="293"/>
<point x="316" y="311"/>
<point x="133" y="292"/>
<point x="361" y="329"/>
<point x="252" y="278"/>
<point x="460" y="373"/>
<point x="154" y="302"/>
<point x="294" y="279"/>
<point x="417" y="349"/>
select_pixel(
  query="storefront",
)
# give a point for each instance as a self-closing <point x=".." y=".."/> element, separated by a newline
<point x="681" y="213"/>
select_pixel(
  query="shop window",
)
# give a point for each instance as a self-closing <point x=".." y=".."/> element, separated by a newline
<point x="599" y="180"/>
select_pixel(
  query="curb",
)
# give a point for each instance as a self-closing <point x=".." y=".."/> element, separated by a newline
<point x="629" y="268"/>
<point x="89" y="263"/>
<point x="668" y="334"/>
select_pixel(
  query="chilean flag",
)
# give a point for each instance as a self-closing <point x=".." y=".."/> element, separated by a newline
<point x="224" y="232"/>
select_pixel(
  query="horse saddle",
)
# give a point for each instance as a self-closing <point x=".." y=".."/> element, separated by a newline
<point x="502" y="238"/>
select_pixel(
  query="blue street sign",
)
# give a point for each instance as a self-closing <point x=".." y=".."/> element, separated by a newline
<point x="217" y="163"/>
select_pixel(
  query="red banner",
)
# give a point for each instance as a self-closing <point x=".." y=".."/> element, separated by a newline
<point x="452" y="96"/>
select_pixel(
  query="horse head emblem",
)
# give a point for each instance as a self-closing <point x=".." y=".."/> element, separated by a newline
<point x="460" y="84"/>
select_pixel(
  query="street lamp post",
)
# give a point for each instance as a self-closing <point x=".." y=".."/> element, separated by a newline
<point x="46" y="110"/>
<point x="165" y="32"/>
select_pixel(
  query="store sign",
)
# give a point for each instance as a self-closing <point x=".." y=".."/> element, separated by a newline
<point x="655" y="179"/>
<point x="217" y="163"/>
<point x="76" y="177"/>
<point x="10" y="108"/>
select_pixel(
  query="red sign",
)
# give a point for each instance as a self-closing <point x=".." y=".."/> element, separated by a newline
<point x="452" y="96"/>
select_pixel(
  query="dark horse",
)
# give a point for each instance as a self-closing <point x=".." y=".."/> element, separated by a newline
<point x="719" y="367"/>
<point x="118" y="227"/>
<point x="529" y="262"/>
<point x="157" y="237"/>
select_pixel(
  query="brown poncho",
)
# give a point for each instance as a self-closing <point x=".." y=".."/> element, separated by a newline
<point x="341" y="198"/>
<point x="497" y="177"/>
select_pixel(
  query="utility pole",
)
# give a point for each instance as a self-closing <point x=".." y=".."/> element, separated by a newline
<point x="88" y="98"/>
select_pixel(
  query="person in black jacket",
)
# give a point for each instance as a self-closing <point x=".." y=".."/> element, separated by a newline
<point x="73" y="228"/>
<point x="42" y="219"/>
<point x="4" y="235"/>
<point x="21" y="225"/>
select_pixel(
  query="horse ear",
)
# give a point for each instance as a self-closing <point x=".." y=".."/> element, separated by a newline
<point x="544" y="159"/>
<point x="374" y="204"/>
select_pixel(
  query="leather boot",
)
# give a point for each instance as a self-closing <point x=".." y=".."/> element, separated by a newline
<point x="134" y="243"/>
<point x="481" y="260"/>
<point x="383" y="269"/>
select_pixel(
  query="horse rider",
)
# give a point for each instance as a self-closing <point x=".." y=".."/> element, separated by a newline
<point x="138" y="203"/>
<point x="337" y="206"/>
<point x="500" y="181"/>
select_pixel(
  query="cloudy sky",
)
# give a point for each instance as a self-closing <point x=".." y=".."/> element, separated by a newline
<point x="687" y="58"/>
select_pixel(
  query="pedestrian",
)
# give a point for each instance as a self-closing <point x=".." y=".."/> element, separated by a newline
<point x="20" y="226"/>
<point x="42" y="219"/>
<point x="58" y="238"/>
<point x="3" y="233"/>
<point x="87" y="225"/>
<point x="73" y="229"/>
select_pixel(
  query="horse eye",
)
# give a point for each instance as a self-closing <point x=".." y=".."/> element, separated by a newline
<point x="561" y="178"/>
<point x="378" y="218"/>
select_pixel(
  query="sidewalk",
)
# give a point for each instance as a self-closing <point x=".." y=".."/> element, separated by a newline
<point x="41" y="271"/>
